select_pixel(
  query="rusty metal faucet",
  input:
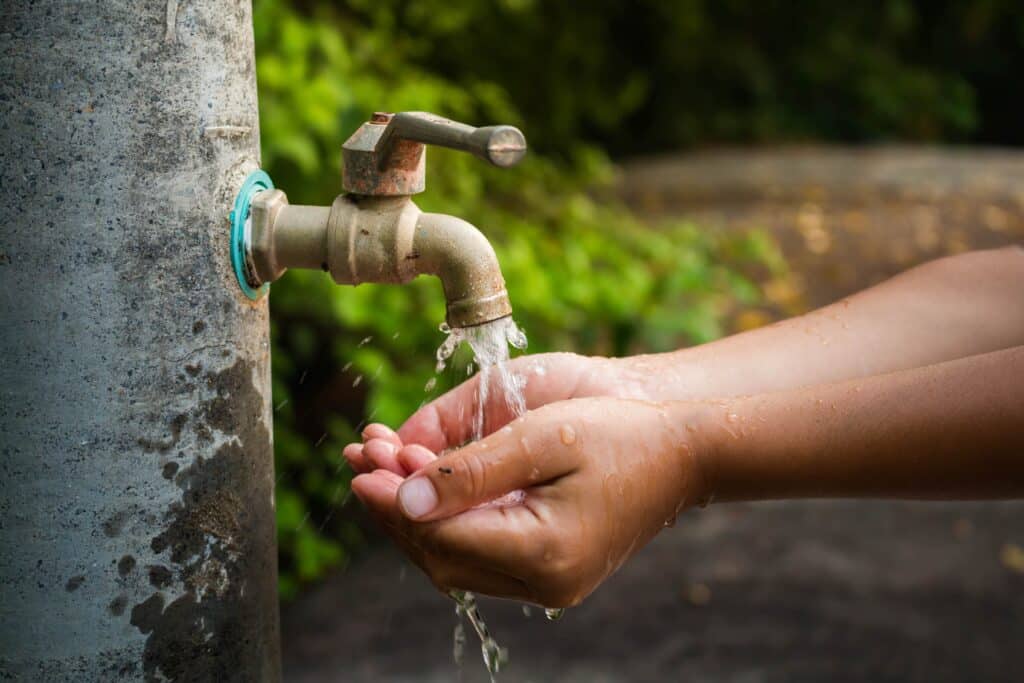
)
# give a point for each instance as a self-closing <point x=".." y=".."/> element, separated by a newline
<point x="374" y="232"/>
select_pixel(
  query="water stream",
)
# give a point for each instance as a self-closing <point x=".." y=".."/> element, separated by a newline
<point x="490" y="345"/>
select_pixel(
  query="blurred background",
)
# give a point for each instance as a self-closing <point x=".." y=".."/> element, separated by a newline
<point x="696" y="169"/>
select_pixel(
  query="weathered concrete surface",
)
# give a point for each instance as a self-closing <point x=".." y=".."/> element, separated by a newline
<point x="136" y="513"/>
<point x="811" y="591"/>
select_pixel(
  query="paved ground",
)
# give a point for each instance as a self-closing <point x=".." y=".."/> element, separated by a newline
<point x="816" y="591"/>
<point x="810" y="591"/>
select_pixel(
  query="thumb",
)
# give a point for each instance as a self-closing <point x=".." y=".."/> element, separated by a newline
<point x="517" y="457"/>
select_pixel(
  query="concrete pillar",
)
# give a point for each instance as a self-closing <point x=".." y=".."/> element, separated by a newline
<point x="136" y="475"/>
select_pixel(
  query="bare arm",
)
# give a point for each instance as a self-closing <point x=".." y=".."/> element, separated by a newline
<point x="599" y="477"/>
<point x="952" y="430"/>
<point x="950" y="308"/>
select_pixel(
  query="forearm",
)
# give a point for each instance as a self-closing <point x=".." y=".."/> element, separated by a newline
<point x="952" y="430"/>
<point x="946" y="309"/>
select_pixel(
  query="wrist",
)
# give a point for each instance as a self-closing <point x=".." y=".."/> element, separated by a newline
<point x="698" y="432"/>
<point x="658" y="377"/>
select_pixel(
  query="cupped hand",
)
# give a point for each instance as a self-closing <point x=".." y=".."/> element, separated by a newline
<point x="448" y="421"/>
<point x="598" y="477"/>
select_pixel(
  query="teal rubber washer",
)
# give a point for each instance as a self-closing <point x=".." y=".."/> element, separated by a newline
<point x="258" y="181"/>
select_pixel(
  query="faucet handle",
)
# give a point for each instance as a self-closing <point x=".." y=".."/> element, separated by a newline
<point x="503" y="146"/>
<point x="386" y="155"/>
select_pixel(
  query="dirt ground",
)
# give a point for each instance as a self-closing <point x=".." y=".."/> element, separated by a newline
<point x="788" y="591"/>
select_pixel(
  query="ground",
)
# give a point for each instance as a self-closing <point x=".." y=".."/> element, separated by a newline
<point x="793" y="591"/>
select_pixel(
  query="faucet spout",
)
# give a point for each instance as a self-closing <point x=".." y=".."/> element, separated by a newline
<point x="378" y="239"/>
<point x="463" y="259"/>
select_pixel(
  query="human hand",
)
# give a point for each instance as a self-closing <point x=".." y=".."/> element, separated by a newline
<point x="448" y="421"/>
<point x="599" y="478"/>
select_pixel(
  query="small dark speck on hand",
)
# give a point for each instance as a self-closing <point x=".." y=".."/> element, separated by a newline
<point x="444" y="470"/>
<point x="74" y="582"/>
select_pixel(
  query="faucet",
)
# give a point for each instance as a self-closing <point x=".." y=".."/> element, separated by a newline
<point x="374" y="232"/>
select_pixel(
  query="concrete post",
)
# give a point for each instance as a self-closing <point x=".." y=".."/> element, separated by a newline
<point x="136" y="476"/>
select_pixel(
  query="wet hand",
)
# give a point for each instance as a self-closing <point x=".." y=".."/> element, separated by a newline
<point x="447" y="422"/>
<point x="598" y="477"/>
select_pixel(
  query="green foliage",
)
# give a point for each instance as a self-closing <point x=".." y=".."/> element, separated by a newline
<point x="583" y="274"/>
<point x="651" y="75"/>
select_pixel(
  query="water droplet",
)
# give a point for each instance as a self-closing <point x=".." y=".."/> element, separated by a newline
<point x="395" y="335"/>
<point x="358" y="380"/>
<point x="431" y="383"/>
<point x="444" y="327"/>
<point x="567" y="434"/>
<point x="458" y="643"/>
<point x="527" y="612"/>
<point x="366" y="341"/>
<point x="346" y="366"/>
<point x="494" y="656"/>
<point x="554" y="613"/>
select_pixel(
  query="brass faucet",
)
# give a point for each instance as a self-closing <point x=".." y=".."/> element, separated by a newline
<point x="375" y="233"/>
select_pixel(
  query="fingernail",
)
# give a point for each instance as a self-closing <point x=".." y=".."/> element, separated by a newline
<point x="417" y="497"/>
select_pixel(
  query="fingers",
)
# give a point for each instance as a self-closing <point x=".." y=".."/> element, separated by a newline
<point x="415" y="457"/>
<point x="383" y="455"/>
<point x="354" y="455"/>
<point x="378" y="491"/>
<point x="378" y="431"/>
<point x="517" y="458"/>
<point x="447" y="422"/>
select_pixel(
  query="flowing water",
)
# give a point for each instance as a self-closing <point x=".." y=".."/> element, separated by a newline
<point x="490" y="343"/>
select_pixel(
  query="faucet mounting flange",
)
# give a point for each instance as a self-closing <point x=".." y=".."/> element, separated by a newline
<point x="241" y="228"/>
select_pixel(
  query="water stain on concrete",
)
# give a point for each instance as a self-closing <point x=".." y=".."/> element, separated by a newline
<point x="220" y="548"/>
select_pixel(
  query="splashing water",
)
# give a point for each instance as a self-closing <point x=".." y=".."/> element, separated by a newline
<point x="490" y="343"/>
<point x="494" y="655"/>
